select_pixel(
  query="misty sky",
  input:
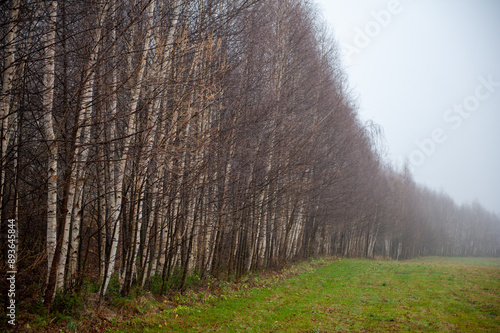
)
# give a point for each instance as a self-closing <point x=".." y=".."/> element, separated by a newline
<point x="428" y="72"/>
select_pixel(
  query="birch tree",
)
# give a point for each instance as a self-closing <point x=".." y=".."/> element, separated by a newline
<point x="6" y="97"/>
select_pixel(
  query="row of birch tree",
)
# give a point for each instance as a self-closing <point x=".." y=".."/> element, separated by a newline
<point x="151" y="138"/>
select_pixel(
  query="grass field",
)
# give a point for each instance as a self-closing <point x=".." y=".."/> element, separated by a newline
<point x="423" y="295"/>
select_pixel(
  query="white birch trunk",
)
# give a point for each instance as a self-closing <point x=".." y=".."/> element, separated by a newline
<point x="47" y="101"/>
<point x="6" y="94"/>
<point x="103" y="214"/>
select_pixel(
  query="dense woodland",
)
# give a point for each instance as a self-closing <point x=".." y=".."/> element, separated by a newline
<point x="147" y="139"/>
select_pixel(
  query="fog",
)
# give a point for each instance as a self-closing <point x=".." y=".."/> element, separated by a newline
<point x="428" y="72"/>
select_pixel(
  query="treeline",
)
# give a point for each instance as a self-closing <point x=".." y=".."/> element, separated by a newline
<point x="147" y="138"/>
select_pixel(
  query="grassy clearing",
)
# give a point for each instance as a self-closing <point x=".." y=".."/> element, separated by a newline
<point x="426" y="295"/>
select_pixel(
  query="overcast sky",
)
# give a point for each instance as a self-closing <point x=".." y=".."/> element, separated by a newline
<point x="428" y="72"/>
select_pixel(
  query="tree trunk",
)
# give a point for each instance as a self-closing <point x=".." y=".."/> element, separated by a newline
<point x="48" y="100"/>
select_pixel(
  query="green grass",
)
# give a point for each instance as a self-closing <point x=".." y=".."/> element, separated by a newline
<point x="422" y="295"/>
